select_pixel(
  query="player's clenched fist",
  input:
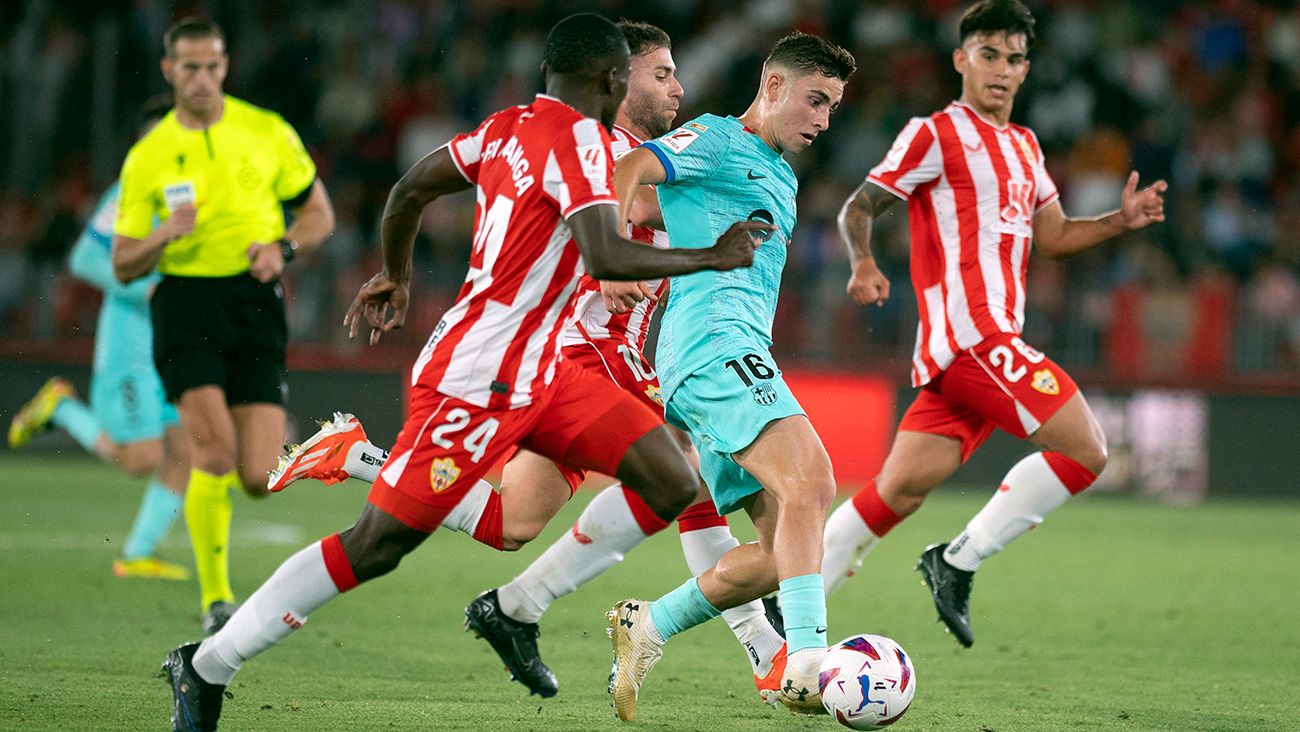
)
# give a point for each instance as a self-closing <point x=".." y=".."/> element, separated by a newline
<point x="735" y="248"/>
<point x="868" y="285"/>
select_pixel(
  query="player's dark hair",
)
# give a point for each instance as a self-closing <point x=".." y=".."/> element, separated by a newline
<point x="807" y="54"/>
<point x="191" y="27"/>
<point x="153" y="109"/>
<point x="584" y="43"/>
<point x="997" y="16"/>
<point x="642" y="37"/>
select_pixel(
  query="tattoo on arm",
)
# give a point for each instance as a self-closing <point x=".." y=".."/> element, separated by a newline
<point x="857" y="216"/>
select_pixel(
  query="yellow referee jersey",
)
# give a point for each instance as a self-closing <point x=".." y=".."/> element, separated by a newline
<point x="237" y="173"/>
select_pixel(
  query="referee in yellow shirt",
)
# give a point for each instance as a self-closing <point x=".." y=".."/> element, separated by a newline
<point x="202" y="199"/>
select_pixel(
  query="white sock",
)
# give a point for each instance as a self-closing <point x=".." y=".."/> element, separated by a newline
<point x="464" y="517"/>
<point x="605" y="531"/>
<point x="364" y="461"/>
<point x="703" y="548"/>
<point x="279" y="607"/>
<point x="845" y="544"/>
<point x="1030" y="491"/>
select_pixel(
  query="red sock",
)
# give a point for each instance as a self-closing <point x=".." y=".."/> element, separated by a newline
<point x="879" y="517"/>
<point x="337" y="564"/>
<point x="1073" y="476"/>
<point x="703" y="515"/>
<point x="488" y="529"/>
<point x="645" y="517"/>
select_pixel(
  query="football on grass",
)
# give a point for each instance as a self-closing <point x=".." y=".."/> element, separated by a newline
<point x="867" y="681"/>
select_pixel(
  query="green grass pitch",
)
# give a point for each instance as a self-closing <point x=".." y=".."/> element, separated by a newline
<point x="1117" y="614"/>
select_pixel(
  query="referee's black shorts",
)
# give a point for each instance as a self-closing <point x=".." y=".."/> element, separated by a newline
<point x="220" y="331"/>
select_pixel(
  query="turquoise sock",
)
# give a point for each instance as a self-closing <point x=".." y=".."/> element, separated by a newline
<point x="73" y="415"/>
<point x="158" y="511"/>
<point x="803" y="603"/>
<point x="681" y="609"/>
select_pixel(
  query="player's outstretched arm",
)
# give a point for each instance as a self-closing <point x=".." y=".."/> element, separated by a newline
<point x="867" y="284"/>
<point x="435" y="175"/>
<point x="608" y="256"/>
<point x="1059" y="236"/>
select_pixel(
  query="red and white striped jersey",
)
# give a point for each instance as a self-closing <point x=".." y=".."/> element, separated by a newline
<point x="591" y="321"/>
<point x="972" y="189"/>
<point x="532" y="167"/>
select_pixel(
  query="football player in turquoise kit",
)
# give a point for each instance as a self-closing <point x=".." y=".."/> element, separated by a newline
<point x="758" y="451"/>
<point x="128" y="421"/>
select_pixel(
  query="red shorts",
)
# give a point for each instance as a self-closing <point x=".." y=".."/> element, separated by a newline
<point x="1001" y="382"/>
<point x="627" y="368"/>
<point x="582" y="420"/>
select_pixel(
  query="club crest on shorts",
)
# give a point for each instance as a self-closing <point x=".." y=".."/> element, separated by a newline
<point x="764" y="394"/>
<point x="443" y="474"/>
<point x="1045" y="381"/>
<point x="652" y="391"/>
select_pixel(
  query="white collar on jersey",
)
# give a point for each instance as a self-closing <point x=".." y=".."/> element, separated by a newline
<point x="982" y="118"/>
<point x="630" y="136"/>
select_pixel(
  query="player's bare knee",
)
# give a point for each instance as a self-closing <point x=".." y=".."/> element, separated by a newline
<point x="815" y="493"/>
<point x="905" y="504"/>
<point x="514" y="538"/>
<point x="680" y="491"/>
<point x="904" y="497"/>
<point x="811" y="496"/>
<point x="1092" y="456"/>
<point x="669" y="490"/>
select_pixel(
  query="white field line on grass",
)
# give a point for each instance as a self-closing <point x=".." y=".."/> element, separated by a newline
<point x="266" y="534"/>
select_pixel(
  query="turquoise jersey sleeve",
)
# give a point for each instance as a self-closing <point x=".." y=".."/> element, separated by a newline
<point x="91" y="259"/>
<point x="693" y="151"/>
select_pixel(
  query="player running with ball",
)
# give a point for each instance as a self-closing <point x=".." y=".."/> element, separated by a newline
<point x="978" y="194"/>
<point x="758" y="451"/>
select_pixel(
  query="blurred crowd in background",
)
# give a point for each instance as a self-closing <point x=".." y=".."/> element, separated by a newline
<point x="1203" y="94"/>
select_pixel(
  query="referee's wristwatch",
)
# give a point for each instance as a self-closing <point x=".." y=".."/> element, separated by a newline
<point x="288" y="249"/>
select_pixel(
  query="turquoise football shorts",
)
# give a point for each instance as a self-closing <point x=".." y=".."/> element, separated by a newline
<point x="130" y="404"/>
<point x="724" y="406"/>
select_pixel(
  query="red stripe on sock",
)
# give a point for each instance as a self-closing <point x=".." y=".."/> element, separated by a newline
<point x="488" y="529"/>
<point x="645" y="517"/>
<point x="703" y="515"/>
<point x="1075" y="477"/>
<point x="879" y="517"/>
<point x="337" y="564"/>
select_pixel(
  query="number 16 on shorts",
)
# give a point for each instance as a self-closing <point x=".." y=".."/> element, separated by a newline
<point x="755" y="373"/>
